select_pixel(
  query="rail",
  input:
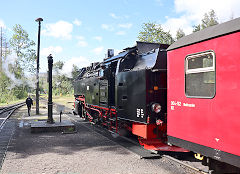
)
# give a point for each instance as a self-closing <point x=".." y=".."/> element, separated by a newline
<point x="185" y="164"/>
<point x="6" y="112"/>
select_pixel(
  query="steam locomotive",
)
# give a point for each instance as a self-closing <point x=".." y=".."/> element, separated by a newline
<point x="183" y="97"/>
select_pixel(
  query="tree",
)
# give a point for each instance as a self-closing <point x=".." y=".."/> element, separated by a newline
<point x="22" y="46"/>
<point x="75" y="72"/>
<point x="4" y="84"/>
<point x="3" y="47"/>
<point x="196" y="28"/>
<point x="61" y="84"/>
<point x="152" y="32"/>
<point x="57" y="67"/>
<point x="18" y="59"/>
<point x="179" y="34"/>
<point x="209" y="19"/>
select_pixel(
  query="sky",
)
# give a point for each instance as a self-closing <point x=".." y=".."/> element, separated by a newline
<point x="80" y="31"/>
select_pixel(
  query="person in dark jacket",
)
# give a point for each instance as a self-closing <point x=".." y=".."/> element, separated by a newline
<point x="29" y="103"/>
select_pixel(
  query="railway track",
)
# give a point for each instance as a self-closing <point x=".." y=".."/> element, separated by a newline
<point x="7" y="127"/>
<point x="6" y="112"/>
<point x="188" y="164"/>
<point x="132" y="144"/>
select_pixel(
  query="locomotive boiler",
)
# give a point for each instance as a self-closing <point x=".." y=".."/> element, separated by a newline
<point x="127" y="93"/>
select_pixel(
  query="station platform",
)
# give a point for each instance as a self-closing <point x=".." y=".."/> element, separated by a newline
<point x="39" y="124"/>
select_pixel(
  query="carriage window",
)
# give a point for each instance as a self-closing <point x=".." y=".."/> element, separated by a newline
<point x="200" y="75"/>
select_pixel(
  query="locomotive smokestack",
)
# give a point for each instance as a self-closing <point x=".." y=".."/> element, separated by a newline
<point x="110" y="52"/>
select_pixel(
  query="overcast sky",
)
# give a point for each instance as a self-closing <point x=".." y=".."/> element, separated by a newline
<point x="79" y="31"/>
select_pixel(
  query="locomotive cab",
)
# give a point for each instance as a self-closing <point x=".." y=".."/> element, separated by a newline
<point x="136" y="86"/>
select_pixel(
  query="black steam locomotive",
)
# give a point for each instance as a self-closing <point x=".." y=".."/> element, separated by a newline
<point x="128" y="93"/>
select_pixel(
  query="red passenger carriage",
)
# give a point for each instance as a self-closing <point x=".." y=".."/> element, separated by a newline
<point x="204" y="92"/>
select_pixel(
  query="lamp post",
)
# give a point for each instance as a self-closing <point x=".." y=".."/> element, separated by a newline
<point x="39" y="20"/>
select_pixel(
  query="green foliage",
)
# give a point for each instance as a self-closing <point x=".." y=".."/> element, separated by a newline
<point x="152" y="32"/>
<point x="58" y="66"/>
<point x="209" y="19"/>
<point x="4" y="83"/>
<point x="179" y="34"/>
<point x="20" y="91"/>
<point x="22" y="46"/>
<point x="10" y="92"/>
<point x="17" y="87"/>
<point x="196" y="28"/>
<point x="16" y="70"/>
<point x="62" y="85"/>
<point x="75" y="72"/>
<point x="43" y="84"/>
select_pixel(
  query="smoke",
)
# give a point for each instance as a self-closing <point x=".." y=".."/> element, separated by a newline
<point x="10" y="62"/>
<point x="77" y="61"/>
<point x="7" y="61"/>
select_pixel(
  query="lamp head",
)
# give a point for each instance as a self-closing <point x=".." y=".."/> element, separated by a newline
<point x="39" y="20"/>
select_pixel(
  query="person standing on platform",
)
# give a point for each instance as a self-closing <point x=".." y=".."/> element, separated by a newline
<point x="29" y="103"/>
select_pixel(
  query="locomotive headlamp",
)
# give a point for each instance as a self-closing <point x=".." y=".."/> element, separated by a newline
<point x="156" y="107"/>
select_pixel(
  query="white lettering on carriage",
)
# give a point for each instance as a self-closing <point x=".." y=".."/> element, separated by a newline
<point x="175" y="104"/>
